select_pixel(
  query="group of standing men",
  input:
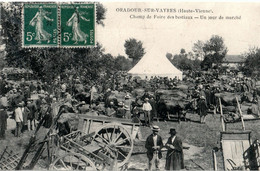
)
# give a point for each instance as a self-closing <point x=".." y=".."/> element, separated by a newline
<point x="174" y="156"/>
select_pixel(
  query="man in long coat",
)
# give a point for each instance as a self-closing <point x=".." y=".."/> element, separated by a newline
<point x="154" y="145"/>
<point x="3" y="121"/>
<point x="202" y="109"/>
<point x="154" y="109"/>
<point x="174" y="156"/>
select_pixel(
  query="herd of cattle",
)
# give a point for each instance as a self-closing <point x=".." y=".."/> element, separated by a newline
<point x="170" y="97"/>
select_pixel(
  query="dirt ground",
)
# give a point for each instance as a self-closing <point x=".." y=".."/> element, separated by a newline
<point x="201" y="138"/>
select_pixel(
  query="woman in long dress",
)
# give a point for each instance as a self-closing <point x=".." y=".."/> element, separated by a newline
<point x="37" y="22"/>
<point x="174" y="156"/>
<point x="74" y="21"/>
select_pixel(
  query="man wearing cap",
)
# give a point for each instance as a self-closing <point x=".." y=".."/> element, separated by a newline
<point x="127" y="105"/>
<point x="154" y="145"/>
<point x="110" y="111"/>
<point x="18" y="119"/>
<point x="202" y="109"/>
<point x="174" y="156"/>
<point x="120" y="112"/>
<point x="147" y="112"/>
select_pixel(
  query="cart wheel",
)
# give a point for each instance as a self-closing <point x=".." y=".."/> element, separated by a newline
<point x="73" y="161"/>
<point x="114" y="142"/>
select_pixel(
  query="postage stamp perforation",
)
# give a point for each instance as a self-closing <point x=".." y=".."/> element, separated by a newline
<point x="22" y="27"/>
<point x="59" y="24"/>
<point x="95" y="5"/>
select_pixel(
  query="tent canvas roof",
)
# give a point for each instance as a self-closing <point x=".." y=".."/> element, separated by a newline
<point x="155" y="65"/>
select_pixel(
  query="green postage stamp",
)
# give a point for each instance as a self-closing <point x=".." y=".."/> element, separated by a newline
<point x="63" y="25"/>
<point x="40" y="25"/>
<point x="77" y="25"/>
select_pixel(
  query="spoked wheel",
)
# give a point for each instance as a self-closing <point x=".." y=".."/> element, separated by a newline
<point x="72" y="161"/>
<point x="115" y="142"/>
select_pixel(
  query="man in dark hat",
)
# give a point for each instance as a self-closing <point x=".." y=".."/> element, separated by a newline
<point x="154" y="145"/>
<point x="202" y="109"/>
<point x="110" y="110"/>
<point x="31" y="115"/>
<point x="154" y="109"/>
<point x="120" y="112"/>
<point x="46" y="114"/>
<point x="174" y="156"/>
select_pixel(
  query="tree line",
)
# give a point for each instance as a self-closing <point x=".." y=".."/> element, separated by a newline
<point x="47" y="63"/>
<point x="205" y="55"/>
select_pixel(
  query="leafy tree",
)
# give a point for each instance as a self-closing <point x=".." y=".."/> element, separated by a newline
<point x="198" y="50"/>
<point x="190" y="55"/>
<point x="47" y="63"/>
<point x="184" y="61"/>
<point x="215" y="50"/>
<point x="134" y="49"/>
<point x="101" y="14"/>
<point x="106" y="63"/>
<point x="169" y="56"/>
<point x="183" y="51"/>
<point x="252" y="62"/>
<point x="122" y="63"/>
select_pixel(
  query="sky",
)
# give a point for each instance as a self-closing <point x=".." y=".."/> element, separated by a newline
<point x="160" y="36"/>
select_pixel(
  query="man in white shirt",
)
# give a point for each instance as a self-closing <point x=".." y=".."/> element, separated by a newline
<point x="147" y="112"/>
<point x="18" y="119"/>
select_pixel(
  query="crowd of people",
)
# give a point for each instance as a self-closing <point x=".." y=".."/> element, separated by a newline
<point x="30" y="101"/>
<point x="119" y="95"/>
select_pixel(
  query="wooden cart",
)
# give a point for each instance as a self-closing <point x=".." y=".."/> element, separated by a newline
<point x="100" y="143"/>
<point x="235" y="147"/>
<point x="239" y="153"/>
<point x="9" y="159"/>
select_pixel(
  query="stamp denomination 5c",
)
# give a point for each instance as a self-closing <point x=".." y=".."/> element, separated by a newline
<point x="77" y="25"/>
<point x="40" y="22"/>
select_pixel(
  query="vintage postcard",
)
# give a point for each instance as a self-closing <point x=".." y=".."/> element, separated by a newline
<point x="143" y="86"/>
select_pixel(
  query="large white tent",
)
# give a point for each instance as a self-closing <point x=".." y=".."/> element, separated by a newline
<point x="152" y="65"/>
